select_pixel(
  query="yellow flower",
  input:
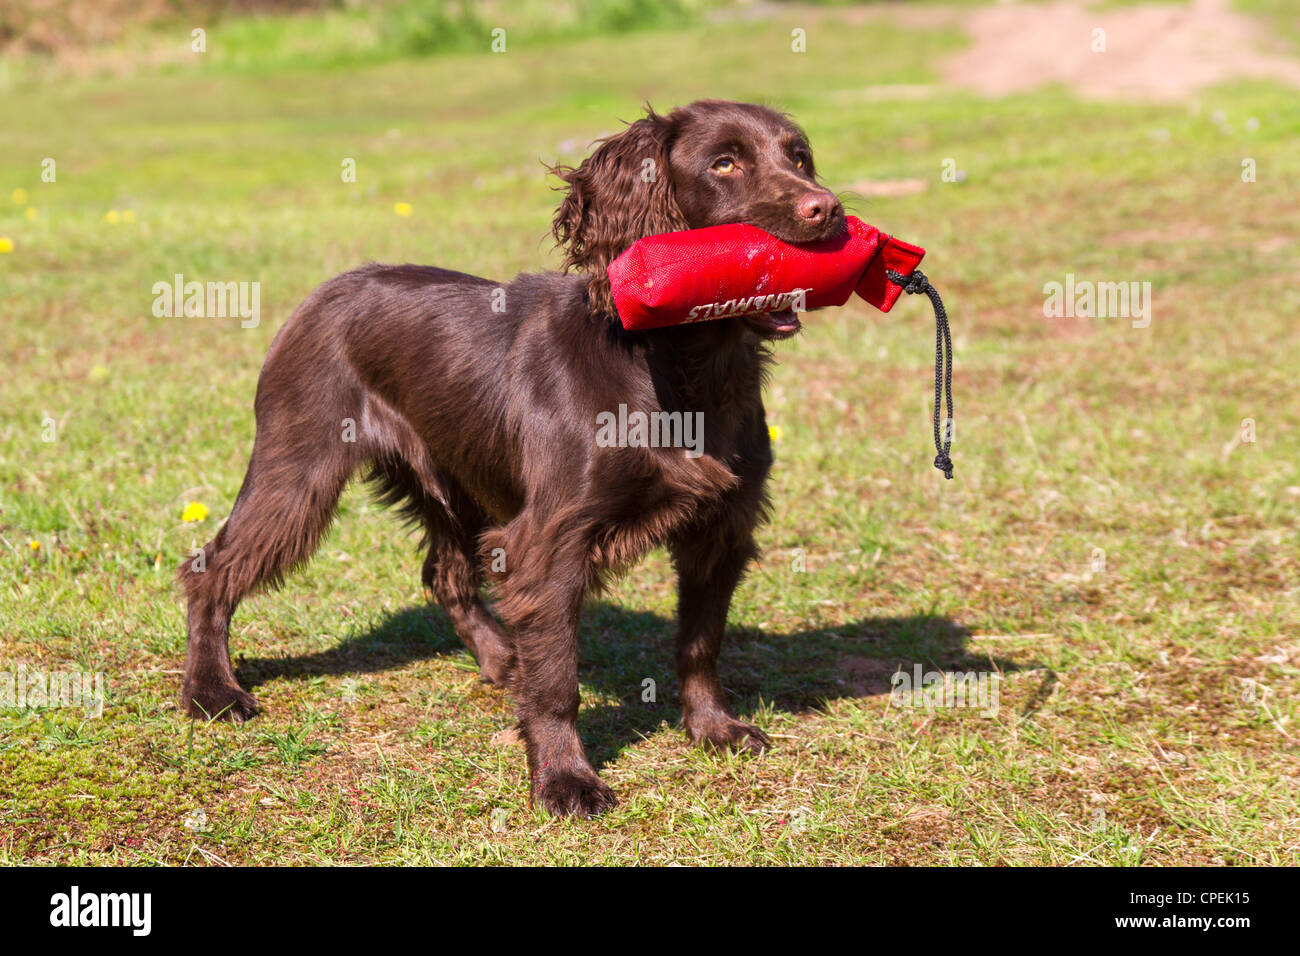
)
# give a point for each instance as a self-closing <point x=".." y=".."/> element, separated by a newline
<point x="34" y="544"/>
<point x="111" y="217"/>
<point x="774" y="432"/>
<point x="403" y="208"/>
<point x="19" y="196"/>
<point x="6" y="245"/>
<point x="194" y="511"/>
<point x="31" y="213"/>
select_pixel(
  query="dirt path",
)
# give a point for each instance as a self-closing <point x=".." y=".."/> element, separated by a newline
<point x="1157" y="51"/>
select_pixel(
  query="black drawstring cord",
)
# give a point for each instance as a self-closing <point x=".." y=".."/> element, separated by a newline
<point x="917" y="282"/>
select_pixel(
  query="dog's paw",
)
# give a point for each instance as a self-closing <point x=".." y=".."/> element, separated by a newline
<point x="575" y="794"/>
<point x="218" y="702"/>
<point x="730" y="734"/>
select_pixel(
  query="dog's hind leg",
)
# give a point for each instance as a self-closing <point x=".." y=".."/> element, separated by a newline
<point x="451" y="573"/>
<point x="297" y="471"/>
<point x="452" y="523"/>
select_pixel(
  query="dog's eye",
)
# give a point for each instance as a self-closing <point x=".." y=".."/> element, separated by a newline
<point x="798" y="163"/>
<point x="725" y="165"/>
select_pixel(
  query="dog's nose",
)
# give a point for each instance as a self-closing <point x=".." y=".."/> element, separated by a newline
<point x="817" y="207"/>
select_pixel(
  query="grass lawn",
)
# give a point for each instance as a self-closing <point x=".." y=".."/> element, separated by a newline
<point x="1110" y="546"/>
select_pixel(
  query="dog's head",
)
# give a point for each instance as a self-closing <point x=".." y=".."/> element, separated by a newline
<point x="706" y="164"/>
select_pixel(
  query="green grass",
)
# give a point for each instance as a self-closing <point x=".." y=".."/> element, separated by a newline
<point x="1128" y="733"/>
<point x="116" y="34"/>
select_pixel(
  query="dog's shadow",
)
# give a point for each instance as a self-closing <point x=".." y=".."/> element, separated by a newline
<point x="626" y="664"/>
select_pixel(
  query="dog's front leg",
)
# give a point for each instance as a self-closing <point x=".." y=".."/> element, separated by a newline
<point x="710" y="562"/>
<point x="546" y="689"/>
<point x="540" y="599"/>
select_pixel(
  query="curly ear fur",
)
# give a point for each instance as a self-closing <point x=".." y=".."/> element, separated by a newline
<point x="620" y="193"/>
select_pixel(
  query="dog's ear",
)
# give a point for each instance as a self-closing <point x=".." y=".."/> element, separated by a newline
<point x="620" y="193"/>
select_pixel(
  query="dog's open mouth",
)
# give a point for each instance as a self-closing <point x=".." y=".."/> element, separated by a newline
<point x="774" y="325"/>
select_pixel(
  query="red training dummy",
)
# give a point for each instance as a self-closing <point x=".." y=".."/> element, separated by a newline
<point x="723" y="271"/>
